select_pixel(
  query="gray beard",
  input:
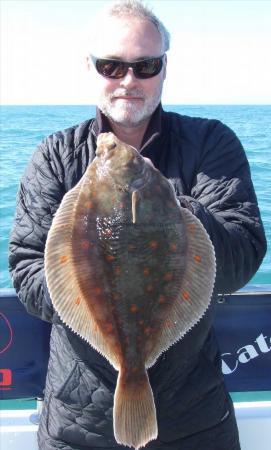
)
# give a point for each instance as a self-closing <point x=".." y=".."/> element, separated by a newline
<point x="132" y="115"/>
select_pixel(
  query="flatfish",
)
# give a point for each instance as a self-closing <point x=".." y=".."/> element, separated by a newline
<point x="130" y="271"/>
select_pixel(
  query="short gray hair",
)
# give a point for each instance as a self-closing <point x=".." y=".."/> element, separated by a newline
<point x="135" y="8"/>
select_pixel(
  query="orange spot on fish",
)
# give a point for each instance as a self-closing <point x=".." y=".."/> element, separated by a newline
<point x="162" y="299"/>
<point x="141" y="322"/>
<point x="147" y="331"/>
<point x="85" y="244"/>
<point x="89" y="204"/>
<point x="153" y="245"/>
<point x="97" y="290"/>
<point x="186" y="295"/>
<point x="150" y="288"/>
<point x="169" y="323"/>
<point x="110" y="258"/>
<point x="115" y="296"/>
<point x="63" y="259"/>
<point x="133" y="308"/>
<point x="197" y="258"/>
<point x="117" y="271"/>
<point x="108" y="327"/>
<point x="173" y="247"/>
<point x="77" y="301"/>
<point x="131" y="248"/>
<point x="168" y="276"/>
<point x="134" y="369"/>
<point x="191" y="227"/>
<point x="146" y="271"/>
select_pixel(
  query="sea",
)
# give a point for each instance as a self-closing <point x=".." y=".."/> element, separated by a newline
<point x="23" y="127"/>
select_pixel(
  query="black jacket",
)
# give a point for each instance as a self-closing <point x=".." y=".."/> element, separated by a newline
<point x="209" y="170"/>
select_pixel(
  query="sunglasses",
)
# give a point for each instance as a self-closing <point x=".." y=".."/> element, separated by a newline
<point x="114" y="68"/>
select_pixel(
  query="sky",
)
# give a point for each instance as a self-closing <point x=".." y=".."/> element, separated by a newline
<point x="220" y="51"/>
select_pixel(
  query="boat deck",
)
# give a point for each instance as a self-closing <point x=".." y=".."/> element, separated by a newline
<point x="18" y="428"/>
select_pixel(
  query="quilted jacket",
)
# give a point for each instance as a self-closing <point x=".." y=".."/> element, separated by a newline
<point x="208" y="168"/>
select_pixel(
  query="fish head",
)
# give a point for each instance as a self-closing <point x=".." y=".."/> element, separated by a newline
<point x="122" y="162"/>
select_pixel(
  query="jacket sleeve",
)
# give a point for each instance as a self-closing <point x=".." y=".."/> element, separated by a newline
<point x="223" y="198"/>
<point x="39" y="196"/>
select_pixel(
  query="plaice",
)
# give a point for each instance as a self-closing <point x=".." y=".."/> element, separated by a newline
<point x="130" y="271"/>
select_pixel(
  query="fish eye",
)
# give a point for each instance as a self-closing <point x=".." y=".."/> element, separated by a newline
<point x="112" y="146"/>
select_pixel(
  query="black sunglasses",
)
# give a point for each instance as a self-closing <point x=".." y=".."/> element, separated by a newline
<point x="114" y="68"/>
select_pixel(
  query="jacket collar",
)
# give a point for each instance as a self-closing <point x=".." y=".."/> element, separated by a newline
<point x="101" y="125"/>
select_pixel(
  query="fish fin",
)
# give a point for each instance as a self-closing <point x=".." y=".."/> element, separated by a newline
<point x="67" y="297"/>
<point x="134" y="413"/>
<point x="192" y="295"/>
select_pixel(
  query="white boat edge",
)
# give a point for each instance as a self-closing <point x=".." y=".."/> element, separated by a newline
<point x="18" y="428"/>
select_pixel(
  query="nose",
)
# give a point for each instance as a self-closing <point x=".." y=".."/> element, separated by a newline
<point x="129" y="79"/>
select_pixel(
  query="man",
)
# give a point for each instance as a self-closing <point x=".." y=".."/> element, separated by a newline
<point x="208" y="168"/>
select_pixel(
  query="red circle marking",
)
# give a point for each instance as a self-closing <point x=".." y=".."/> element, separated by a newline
<point x="10" y="333"/>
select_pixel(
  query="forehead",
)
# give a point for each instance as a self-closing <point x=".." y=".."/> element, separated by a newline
<point x="127" y="38"/>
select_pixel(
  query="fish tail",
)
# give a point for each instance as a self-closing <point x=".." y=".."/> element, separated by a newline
<point x="134" y="411"/>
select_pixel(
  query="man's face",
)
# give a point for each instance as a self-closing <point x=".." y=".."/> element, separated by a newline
<point x="129" y="101"/>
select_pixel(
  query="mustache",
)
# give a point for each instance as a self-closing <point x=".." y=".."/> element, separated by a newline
<point x="120" y="92"/>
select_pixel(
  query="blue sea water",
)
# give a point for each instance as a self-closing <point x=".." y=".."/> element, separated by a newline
<point x="23" y="127"/>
